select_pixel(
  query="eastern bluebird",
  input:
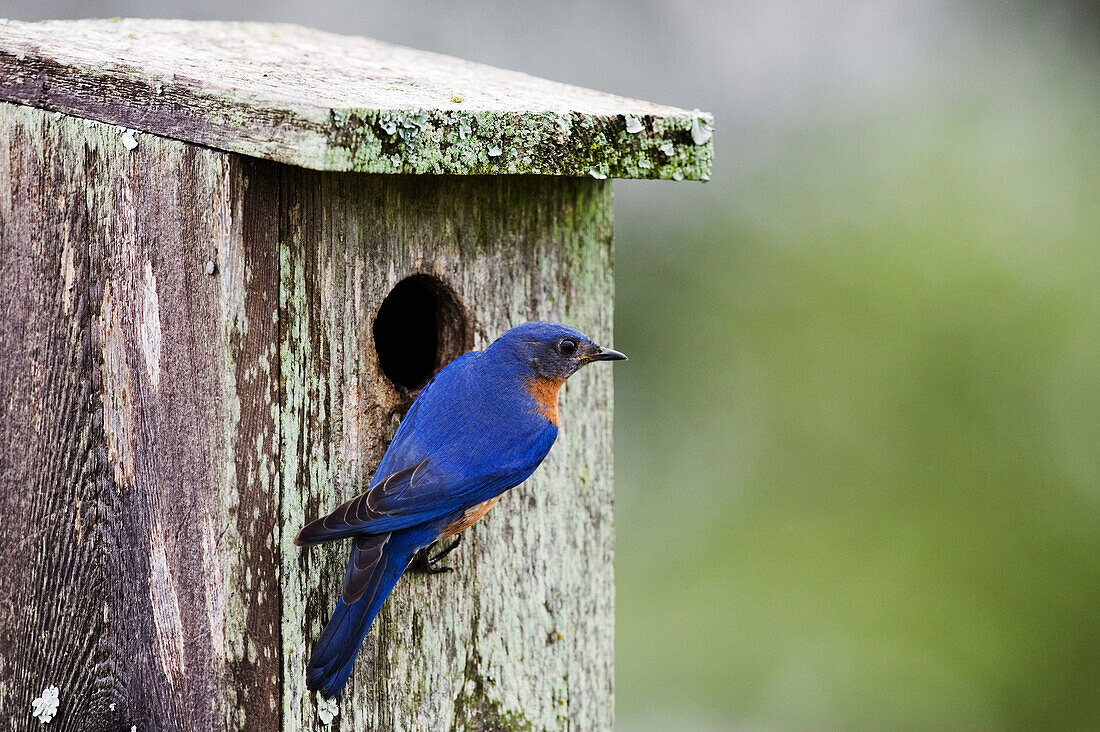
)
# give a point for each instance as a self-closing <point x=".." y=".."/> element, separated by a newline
<point x="480" y="427"/>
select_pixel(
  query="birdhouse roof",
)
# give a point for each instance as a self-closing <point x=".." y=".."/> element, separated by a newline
<point x="332" y="102"/>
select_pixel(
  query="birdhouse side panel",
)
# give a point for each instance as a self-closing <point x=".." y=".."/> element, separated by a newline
<point x="520" y="636"/>
<point x="140" y="383"/>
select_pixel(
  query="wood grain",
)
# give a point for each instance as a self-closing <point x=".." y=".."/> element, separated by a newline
<point x="188" y="374"/>
<point x="331" y="102"/>
<point x="520" y="636"/>
<point x="140" y="506"/>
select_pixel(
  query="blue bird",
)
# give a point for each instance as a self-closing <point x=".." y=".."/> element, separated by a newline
<point x="480" y="427"/>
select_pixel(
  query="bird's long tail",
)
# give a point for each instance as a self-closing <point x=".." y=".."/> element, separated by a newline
<point x="376" y="563"/>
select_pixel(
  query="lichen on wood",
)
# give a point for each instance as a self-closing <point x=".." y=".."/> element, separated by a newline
<point x="140" y="511"/>
<point x="522" y="632"/>
<point x="179" y="422"/>
<point x="331" y="102"/>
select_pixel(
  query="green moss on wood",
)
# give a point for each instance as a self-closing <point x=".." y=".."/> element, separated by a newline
<point x="466" y="650"/>
<point x="328" y="102"/>
<point x="476" y="708"/>
<point x="541" y="143"/>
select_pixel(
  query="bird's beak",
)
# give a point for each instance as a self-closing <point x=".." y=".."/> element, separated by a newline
<point x="606" y="354"/>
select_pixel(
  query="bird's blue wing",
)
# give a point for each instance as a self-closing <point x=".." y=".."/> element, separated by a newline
<point x="372" y="508"/>
<point x="410" y="497"/>
<point x="463" y="441"/>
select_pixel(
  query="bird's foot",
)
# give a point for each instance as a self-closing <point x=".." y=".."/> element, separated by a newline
<point x="426" y="563"/>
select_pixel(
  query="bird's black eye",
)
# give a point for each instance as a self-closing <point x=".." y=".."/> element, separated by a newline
<point x="567" y="347"/>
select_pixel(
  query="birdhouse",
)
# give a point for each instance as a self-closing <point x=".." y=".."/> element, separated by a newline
<point x="232" y="254"/>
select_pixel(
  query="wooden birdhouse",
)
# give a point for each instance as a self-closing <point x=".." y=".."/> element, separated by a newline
<point x="231" y="254"/>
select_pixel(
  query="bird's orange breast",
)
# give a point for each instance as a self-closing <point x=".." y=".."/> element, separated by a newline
<point x="545" y="392"/>
<point x="470" y="517"/>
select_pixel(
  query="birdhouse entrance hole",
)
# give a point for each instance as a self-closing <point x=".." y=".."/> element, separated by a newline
<point x="420" y="327"/>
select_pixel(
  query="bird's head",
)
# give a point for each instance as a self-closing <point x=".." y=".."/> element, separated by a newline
<point x="551" y="350"/>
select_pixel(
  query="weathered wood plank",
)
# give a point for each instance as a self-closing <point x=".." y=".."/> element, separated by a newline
<point x="142" y="389"/>
<point x="520" y="637"/>
<point x="50" y="474"/>
<point x="180" y="426"/>
<point x="332" y="102"/>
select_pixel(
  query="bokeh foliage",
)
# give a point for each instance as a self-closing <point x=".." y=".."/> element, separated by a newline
<point x="858" y="442"/>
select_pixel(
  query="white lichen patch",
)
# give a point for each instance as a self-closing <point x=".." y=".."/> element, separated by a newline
<point x="44" y="708"/>
<point x="597" y="174"/>
<point x="411" y="126"/>
<point x="495" y="151"/>
<point x="129" y="140"/>
<point x="327" y="710"/>
<point x="388" y="123"/>
<point x="701" y="129"/>
<point x="667" y="148"/>
<point x="404" y="126"/>
<point x="633" y="124"/>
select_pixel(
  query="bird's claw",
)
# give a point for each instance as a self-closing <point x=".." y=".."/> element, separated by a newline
<point x="427" y="564"/>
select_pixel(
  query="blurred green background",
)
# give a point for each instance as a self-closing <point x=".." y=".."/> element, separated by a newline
<point x="858" y="455"/>
<point x="858" y="440"/>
